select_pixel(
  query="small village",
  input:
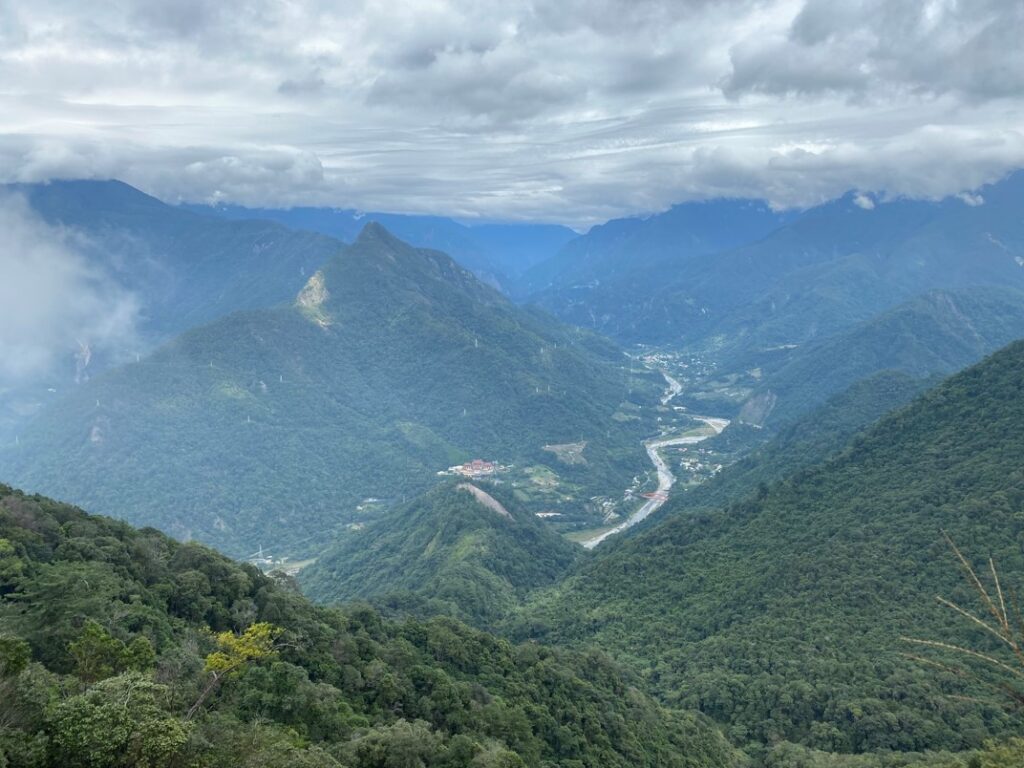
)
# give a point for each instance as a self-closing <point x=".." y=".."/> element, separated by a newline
<point x="475" y="469"/>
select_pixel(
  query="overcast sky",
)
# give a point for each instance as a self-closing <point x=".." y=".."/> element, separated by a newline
<point x="568" y="110"/>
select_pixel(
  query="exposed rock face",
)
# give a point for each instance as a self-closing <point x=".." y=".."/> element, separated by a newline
<point x="757" y="409"/>
<point x="312" y="297"/>
<point x="486" y="499"/>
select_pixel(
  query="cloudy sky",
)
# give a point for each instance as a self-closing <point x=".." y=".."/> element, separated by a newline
<point x="566" y="110"/>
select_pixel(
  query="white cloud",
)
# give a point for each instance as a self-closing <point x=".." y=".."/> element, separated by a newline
<point x="56" y="307"/>
<point x="863" y="201"/>
<point x="573" y="111"/>
<point x="876" y="49"/>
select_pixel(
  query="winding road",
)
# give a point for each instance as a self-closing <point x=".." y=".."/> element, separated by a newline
<point x="665" y="477"/>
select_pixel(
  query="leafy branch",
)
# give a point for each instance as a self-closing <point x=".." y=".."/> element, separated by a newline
<point x="258" y="642"/>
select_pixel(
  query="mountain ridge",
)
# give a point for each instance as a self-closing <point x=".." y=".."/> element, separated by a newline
<point x="464" y="549"/>
<point x="397" y="365"/>
<point x="780" y="616"/>
<point x="826" y="269"/>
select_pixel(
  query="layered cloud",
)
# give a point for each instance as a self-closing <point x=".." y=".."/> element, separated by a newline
<point x="573" y="111"/>
<point x="878" y="49"/>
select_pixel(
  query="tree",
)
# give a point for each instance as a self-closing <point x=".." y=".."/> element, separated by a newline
<point x="1009" y="755"/>
<point x="234" y="652"/>
<point x="15" y="654"/>
<point x="11" y="566"/>
<point x="117" y="723"/>
<point x="399" y="745"/>
<point x="96" y="652"/>
<point x="99" y="655"/>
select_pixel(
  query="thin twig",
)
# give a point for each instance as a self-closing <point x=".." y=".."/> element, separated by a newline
<point x="966" y="651"/>
<point x="987" y="627"/>
<point x="999" y="591"/>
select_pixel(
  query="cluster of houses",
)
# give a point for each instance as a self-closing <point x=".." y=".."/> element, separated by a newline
<point x="475" y="469"/>
<point x="695" y="464"/>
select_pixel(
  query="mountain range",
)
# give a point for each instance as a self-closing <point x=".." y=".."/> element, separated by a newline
<point x="497" y="253"/>
<point x="786" y="279"/>
<point x="781" y="615"/>
<point x="183" y="268"/>
<point x="303" y="395"/>
<point x="936" y="333"/>
<point x="268" y="427"/>
<point x="634" y="255"/>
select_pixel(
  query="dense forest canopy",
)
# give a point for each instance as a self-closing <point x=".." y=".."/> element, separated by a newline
<point x="110" y="637"/>
<point x="468" y="550"/>
<point x="780" y="615"/>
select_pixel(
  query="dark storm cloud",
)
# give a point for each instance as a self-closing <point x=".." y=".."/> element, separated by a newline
<point x="574" y="110"/>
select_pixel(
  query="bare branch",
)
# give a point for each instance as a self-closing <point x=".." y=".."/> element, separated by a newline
<point x="987" y="627"/>
<point x="973" y="577"/>
<point x="999" y="591"/>
<point x="966" y="651"/>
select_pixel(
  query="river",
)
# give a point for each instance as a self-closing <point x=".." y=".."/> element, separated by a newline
<point x="666" y="479"/>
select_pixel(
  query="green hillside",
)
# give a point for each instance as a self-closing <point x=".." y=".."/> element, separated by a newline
<point x="268" y="428"/>
<point x="831" y="267"/>
<point x="183" y="268"/>
<point x="802" y="443"/>
<point x="780" y="616"/>
<point x="466" y="550"/>
<point x="110" y="638"/>
<point x="938" y="333"/>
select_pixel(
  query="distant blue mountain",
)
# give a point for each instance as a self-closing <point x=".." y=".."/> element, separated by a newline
<point x="497" y="253"/>
<point x="184" y="269"/>
<point x="677" y="279"/>
<point x="634" y="251"/>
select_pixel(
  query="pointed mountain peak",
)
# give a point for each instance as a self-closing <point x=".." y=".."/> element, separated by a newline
<point x="375" y="232"/>
<point x="376" y="243"/>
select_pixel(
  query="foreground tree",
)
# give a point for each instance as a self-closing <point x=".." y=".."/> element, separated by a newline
<point x="234" y="652"/>
<point x="117" y="723"/>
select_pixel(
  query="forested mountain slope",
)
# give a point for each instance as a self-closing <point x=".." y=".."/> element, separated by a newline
<point x="833" y="266"/>
<point x="184" y="269"/>
<point x="781" y="616"/>
<point x="464" y="549"/>
<point x="799" y="444"/>
<point x="940" y="332"/>
<point x="268" y="427"/>
<point x="108" y="657"/>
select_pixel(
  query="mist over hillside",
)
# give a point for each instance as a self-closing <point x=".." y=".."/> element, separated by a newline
<point x="269" y="427"/>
